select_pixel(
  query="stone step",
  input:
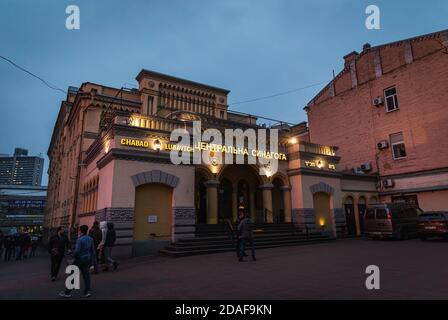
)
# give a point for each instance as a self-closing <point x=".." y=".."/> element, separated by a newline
<point x="256" y="236"/>
<point x="177" y="253"/>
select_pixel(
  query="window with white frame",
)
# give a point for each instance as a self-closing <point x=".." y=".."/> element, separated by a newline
<point x="391" y="98"/>
<point x="398" y="147"/>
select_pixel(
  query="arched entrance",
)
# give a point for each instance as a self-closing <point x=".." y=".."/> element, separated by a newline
<point x="200" y="194"/>
<point x="246" y="195"/>
<point x="278" y="205"/>
<point x="201" y="200"/>
<point x="350" y="219"/>
<point x="321" y="204"/>
<point x="153" y="211"/>
<point x="225" y="201"/>
<point x="243" y="196"/>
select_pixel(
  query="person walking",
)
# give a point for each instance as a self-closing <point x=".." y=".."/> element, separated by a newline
<point x="85" y="256"/>
<point x="107" y="244"/>
<point x="18" y="241"/>
<point x="26" y="245"/>
<point x="245" y="230"/>
<point x="2" y="244"/>
<point x="9" y="247"/>
<point x="97" y="236"/>
<point x="238" y="238"/>
<point x="34" y="244"/>
<point x="57" y="245"/>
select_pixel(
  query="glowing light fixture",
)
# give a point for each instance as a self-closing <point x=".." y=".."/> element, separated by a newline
<point x="157" y="145"/>
<point x="293" y="141"/>
<point x="322" y="223"/>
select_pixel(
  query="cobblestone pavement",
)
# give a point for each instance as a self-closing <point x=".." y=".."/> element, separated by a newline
<point x="336" y="270"/>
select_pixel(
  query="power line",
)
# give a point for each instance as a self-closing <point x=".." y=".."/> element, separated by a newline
<point x="48" y="84"/>
<point x="278" y="94"/>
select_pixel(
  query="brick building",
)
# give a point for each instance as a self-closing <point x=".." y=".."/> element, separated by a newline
<point x="387" y="112"/>
<point x="110" y="161"/>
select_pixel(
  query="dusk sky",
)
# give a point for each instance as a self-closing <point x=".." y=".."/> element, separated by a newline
<point x="253" y="48"/>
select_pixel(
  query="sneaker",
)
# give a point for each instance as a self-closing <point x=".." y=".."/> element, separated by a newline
<point x="240" y="259"/>
<point x="253" y="259"/>
<point x="53" y="279"/>
<point x="115" y="265"/>
<point x="87" y="294"/>
<point x="62" y="294"/>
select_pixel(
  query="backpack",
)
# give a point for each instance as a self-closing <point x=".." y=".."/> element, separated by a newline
<point x="110" y="238"/>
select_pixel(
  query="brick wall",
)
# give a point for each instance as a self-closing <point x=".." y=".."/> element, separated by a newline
<point x="349" y="120"/>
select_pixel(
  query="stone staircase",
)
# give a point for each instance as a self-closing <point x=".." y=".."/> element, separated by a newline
<point x="219" y="238"/>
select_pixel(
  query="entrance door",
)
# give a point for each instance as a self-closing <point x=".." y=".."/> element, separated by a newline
<point x="361" y="208"/>
<point x="321" y="205"/>
<point x="350" y="219"/>
<point x="152" y="219"/>
<point x="201" y="202"/>
<point x="225" y="201"/>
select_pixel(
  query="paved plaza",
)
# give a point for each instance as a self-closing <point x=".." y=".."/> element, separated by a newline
<point x="336" y="270"/>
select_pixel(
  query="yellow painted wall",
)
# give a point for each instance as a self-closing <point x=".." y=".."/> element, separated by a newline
<point x="321" y="204"/>
<point x="153" y="199"/>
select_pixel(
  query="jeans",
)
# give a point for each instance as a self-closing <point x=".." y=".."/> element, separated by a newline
<point x="9" y="252"/>
<point x="85" y="272"/>
<point x="108" y="256"/>
<point x="18" y="254"/>
<point x="56" y="261"/>
<point x="250" y="242"/>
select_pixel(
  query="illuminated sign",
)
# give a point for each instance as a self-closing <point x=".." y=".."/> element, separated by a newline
<point x="204" y="146"/>
<point x="320" y="165"/>
<point x="134" y="143"/>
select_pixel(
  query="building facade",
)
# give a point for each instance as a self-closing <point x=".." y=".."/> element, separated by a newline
<point x="22" y="208"/>
<point x="386" y="111"/>
<point x="21" y="169"/>
<point x="110" y="161"/>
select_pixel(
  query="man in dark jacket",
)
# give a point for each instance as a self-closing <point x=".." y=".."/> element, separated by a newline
<point x="2" y="244"/>
<point x="107" y="244"/>
<point x="96" y="234"/>
<point x="9" y="247"/>
<point x="85" y="256"/>
<point x="56" y="247"/>
<point x="246" y="235"/>
<point x="241" y="216"/>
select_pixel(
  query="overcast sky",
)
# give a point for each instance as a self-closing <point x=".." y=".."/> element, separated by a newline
<point x="252" y="47"/>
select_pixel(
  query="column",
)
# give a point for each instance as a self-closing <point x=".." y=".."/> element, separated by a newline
<point x="234" y="204"/>
<point x="212" y="201"/>
<point x="287" y="205"/>
<point x="267" y="201"/>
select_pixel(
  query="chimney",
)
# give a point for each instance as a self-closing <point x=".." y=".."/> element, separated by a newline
<point x="350" y="57"/>
<point x="366" y="46"/>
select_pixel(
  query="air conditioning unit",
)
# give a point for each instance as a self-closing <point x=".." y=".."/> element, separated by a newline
<point x="378" y="101"/>
<point x="366" y="167"/>
<point x="388" y="183"/>
<point x="383" y="144"/>
<point x="357" y="171"/>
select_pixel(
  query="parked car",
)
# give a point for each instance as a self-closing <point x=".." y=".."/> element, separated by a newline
<point x="391" y="220"/>
<point x="433" y="224"/>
